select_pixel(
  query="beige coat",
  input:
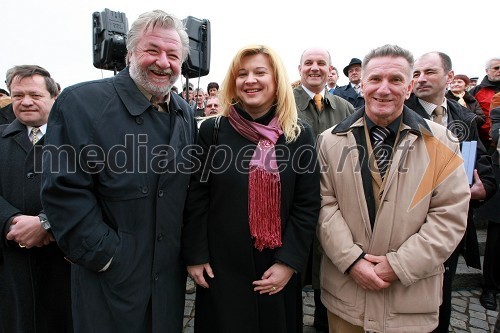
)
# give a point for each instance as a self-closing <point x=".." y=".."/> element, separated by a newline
<point x="420" y="221"/>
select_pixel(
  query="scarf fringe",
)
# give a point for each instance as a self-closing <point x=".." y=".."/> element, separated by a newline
<point x="264" y="208"/>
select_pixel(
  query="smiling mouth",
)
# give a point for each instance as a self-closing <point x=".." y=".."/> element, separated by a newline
<point x="382" y="100"/>
<point x="160" y="73"/>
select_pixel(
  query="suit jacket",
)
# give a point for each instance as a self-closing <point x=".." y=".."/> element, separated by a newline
<point x="119" y="194"/>
<point x="462" y="122"/>
<point x="348" y="93"/>
<point x="34" y="283"/>
<point x="335" y="109"/>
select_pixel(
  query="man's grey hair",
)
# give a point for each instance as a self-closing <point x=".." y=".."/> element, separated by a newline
<point x="488" y="63"/>
<point x="390" y="51"/>
<point x="151" y="20"/>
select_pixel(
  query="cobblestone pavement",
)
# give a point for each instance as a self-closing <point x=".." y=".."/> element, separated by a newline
<point x="467" y="314"/>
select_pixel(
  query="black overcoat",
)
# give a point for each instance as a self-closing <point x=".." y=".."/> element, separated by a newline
<point x="114" y="187"/>
<point x="462" y="123"/>
<point x="34" y="283"/>
<point x="348" y="93"/>
<point x="216" y="231"/>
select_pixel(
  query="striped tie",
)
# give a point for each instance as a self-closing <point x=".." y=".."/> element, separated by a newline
<point x="381" y="151"/>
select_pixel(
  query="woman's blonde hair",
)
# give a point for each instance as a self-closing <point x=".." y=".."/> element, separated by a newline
<point x="286" y="109"/>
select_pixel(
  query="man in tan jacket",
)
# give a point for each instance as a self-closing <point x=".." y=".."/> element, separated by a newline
<point x="394" y="206"/>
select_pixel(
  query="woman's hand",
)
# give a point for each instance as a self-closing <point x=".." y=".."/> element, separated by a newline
<point x="196" y="272"/>
<point x="274" y="279"/>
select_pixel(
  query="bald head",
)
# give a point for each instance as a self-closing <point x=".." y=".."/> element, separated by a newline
<point x="316" y="50"/>
<point x="315" y="65"/>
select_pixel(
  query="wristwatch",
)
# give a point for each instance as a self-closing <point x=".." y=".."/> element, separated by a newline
<point x="45" y="223"/>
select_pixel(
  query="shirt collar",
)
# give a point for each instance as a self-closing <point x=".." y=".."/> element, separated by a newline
<point x="43" y="130"/>
<point x="429" y="107"/>
<point x="393" y="127"/>
<point x="149" y="96"/>
<point x="311" y="94"/>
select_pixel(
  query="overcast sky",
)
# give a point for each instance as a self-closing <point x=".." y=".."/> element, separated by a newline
<point x="57" y="34"/>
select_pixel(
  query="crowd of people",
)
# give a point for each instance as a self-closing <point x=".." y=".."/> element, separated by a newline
<point x="114" y="192"/>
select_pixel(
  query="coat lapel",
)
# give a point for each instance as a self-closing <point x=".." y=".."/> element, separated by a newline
<point x="20" y="135"/>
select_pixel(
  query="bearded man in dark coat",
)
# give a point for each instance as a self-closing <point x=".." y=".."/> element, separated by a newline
<point x="115" y="182"/>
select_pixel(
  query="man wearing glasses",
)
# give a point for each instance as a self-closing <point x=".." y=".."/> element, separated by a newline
<point x="484" y="93"/>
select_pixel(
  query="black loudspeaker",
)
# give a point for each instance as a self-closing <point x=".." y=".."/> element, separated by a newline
<point x="109" y="39"/>
<point x="198" y="61"/>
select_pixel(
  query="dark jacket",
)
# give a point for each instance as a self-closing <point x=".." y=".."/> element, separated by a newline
<point x="490" y="211"/>
<point x="119" y="194"/>
<point x="34" y="283"/>
<point x="7" y="115"/>
<point x="472" y="105"/>
<point x="495" y="129"/>
<point x="217" y="232"/>
<point x="348" y="93"/>
<point x="462" y="123"/>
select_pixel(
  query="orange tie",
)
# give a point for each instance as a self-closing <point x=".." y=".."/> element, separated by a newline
<point x="318" y="102"/>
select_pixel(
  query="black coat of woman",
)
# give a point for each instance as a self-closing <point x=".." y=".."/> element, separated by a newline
<point x="217" y="231"/>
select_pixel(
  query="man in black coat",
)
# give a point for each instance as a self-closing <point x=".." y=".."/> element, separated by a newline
<point x="432" y="73"/>
<point x="34" y="277"/>
<point x="351" y="92"/>
<point x="114" y="184"/>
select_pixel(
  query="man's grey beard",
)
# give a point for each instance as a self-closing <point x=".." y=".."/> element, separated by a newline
<point x="140" y="77"/>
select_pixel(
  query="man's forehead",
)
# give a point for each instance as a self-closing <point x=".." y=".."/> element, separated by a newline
<point x="315" y="54"/>
<point x="35" y="81"/>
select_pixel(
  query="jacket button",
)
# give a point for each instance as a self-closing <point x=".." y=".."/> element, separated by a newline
<point x="144" y="189"/>
<point x="30" y="175"/>
<point x="160" y="237"/>
<point x="139" y="120"/>
<point x="160" y="193"/>
<point x="155" y="277"/>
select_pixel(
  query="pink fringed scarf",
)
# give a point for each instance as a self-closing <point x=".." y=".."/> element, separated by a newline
<point x="264" y="186"/>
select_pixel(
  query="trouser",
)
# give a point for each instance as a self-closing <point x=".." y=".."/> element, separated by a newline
<point x="320" y="312"/>
<point x="491" y="264"/>
<point x="450" y="267"/>
<point x="339" y="325"/>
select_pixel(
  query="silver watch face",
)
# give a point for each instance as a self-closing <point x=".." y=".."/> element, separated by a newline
<point x="45" y="223"/>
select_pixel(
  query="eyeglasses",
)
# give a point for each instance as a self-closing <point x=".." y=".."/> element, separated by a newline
<point x="495" y="68"/>
<point x="212" y="106"/>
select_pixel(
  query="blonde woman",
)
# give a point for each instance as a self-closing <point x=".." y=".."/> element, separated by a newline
<point x="253" y="203"/>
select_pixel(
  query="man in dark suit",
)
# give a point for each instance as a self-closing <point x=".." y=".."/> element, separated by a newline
<point x="34" y="277"/>
<point x="115" y="178"/>
<point x="432" y="73"/>
<point x="352" y="91"/>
